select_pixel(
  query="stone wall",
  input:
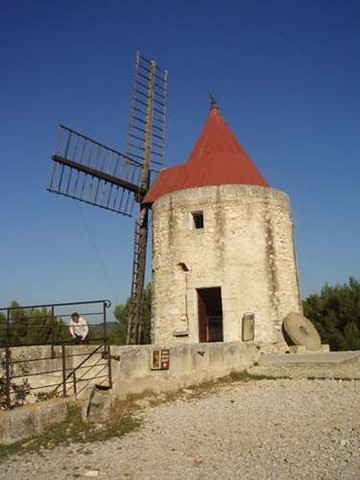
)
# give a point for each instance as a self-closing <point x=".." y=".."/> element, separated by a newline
<point x="246" y="247"/>
<point x="131" y="365"/>
<point x="44" y="370"/>
<point x="29" y="420"/>
<point x="132" y="373"/>
<point x="189" y="365"/>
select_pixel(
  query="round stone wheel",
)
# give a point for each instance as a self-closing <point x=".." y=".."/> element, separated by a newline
<point x="301" y="331"/>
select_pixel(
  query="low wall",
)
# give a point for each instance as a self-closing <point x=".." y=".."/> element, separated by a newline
<point x="44" y="370"/>
<point x="189" y="365"/>
<point x="40" y="359"/>
<point x="29" y="420"/>
<point x="132" y="373"/>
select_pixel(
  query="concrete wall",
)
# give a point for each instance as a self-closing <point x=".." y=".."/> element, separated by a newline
<point x="246" y="247"/>
<point x="189" y="365"/>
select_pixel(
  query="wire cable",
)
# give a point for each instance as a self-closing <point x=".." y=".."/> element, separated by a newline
<point x="102" y="265"/>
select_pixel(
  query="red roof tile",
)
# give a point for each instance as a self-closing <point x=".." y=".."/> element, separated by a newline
<point x="217" y="159"/>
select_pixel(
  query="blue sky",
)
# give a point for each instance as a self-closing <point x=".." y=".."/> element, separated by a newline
<point x="285" y="73"/>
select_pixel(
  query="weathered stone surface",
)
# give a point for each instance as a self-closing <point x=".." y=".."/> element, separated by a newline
<point x="297" y="349"/>
<point x="246" y="247"/>
<point x="4" y="426"/>
<point x="22" y="424"/>
<point x="345" y="365"/>
<point x="302" y="332"/>
<point x="29" y="420"/>
<point x="189" y="365"/>
<point x="50" y="412"/>
<point x="98" y="404"/>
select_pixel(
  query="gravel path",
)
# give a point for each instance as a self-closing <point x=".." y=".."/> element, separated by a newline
<point x="264" y="429"/>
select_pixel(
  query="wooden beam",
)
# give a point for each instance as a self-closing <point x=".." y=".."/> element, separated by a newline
<point x="138" y="190"/>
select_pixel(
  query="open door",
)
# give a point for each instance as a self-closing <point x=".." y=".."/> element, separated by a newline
<point x="210" y="315"/>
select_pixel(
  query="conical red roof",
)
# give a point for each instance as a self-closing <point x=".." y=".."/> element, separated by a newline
<point x="217" y="159"/>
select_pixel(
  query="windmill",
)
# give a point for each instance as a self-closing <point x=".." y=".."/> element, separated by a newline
<point x="88" y="171"/>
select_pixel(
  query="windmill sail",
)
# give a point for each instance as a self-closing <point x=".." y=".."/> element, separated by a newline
<point x="88" y="171"/>
<point x="146" y="141"/>
<point x="147" y="125"/>
<point x="91" y="172"/>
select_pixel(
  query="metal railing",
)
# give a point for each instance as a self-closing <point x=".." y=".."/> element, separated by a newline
<point x="36" y="344"/>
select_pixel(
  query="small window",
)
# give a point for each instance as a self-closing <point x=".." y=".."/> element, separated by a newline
<point x="198" y="219"/>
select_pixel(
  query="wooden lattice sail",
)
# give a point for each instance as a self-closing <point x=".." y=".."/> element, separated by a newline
<point x="88" y="171"/>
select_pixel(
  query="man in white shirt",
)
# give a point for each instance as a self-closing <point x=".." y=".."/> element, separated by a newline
<point x="79" y="329"/>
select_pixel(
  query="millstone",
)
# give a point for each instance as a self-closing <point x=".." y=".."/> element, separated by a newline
<point x="301" y="331"/>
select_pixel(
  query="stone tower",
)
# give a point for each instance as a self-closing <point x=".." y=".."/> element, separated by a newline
<point x="224" y="262"/>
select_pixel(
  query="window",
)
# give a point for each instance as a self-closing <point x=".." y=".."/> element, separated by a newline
<point x="197" y="219"/>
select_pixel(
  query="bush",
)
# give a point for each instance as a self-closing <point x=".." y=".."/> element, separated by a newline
<point x="336" y="315"/>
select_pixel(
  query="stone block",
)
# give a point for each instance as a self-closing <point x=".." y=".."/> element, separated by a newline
<point x="51" y="412"/>
<point x="28" y="420"/>
<point x="22" y="422"/>
<point x="4" y="427"/>
<point x="98" y="404"/>
<point x="297" y="349"/>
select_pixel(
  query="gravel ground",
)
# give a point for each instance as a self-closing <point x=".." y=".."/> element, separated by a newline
<point x="264" y="429"/>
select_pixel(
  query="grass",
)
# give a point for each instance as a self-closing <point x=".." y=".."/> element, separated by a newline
<point x="74" y="429"/>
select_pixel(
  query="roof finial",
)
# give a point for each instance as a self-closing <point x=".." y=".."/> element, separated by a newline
<point x="213" y="102"/>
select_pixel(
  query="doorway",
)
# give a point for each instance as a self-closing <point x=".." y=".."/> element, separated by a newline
<point x="210" y="314"/>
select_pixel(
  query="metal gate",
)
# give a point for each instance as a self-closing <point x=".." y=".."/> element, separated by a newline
<point x="39" y="358"/>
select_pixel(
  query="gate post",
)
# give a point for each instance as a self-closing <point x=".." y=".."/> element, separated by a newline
<point x="8" y="360"/>
<point x="52" y="332"/>
<point x="63" y="368"/>
<point x="8" y="375"/>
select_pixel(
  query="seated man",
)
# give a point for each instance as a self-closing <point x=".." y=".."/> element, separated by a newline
<point x="79" y="329"/>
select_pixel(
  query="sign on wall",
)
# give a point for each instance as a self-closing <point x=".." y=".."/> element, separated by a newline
<point x="160" y="359"/>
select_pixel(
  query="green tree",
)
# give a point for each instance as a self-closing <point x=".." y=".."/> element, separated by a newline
<point x="32" y="326"/>
<point x="336" y="315"/>
<point x="122" y="314"/>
